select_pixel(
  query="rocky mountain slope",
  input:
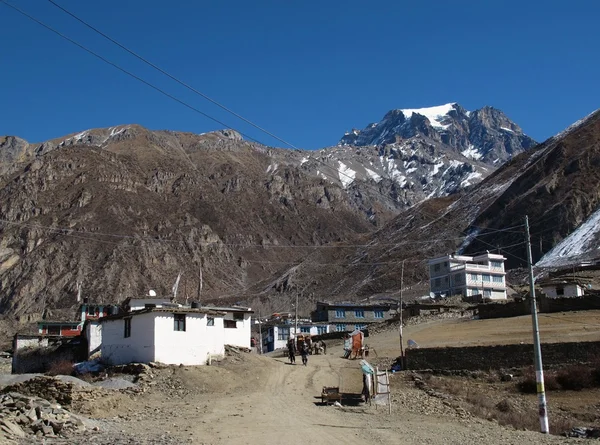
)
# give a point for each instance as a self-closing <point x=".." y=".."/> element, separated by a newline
<point x="557" y="184"/>
<point x="125" y="209"/>
<point x="487" y="134"/>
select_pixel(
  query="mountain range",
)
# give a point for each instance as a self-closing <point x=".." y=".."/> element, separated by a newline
<point x="126" y="209"/>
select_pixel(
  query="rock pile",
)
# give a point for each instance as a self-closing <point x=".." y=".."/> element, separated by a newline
<point x="22" y="415"/>
<point x="48" y="388"/>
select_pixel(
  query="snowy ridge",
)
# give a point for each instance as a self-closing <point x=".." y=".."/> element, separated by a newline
<point x="433" y="114"/>
<point x="578" y="243"/>
<point x="574" y="126"/>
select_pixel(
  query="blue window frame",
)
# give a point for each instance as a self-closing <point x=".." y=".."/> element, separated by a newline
<point x="359" y="313"/>
<point x="497" y="278"/>
<point x="305" y="329"/>
<point x="340" y="327"/>
<point x="360" y="326"/>
<point x="340" y="313"/>
<point x="321" y="330"/>
<point x="283" y="333"/>
<point x="377" y="314"/>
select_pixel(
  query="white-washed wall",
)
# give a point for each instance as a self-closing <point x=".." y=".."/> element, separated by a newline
<point x="569" y="290"/>
<point x="240" y="336"/>
<point x="216" y="337"/>
<point x="93" y="335"/>
<point x="138" y="348"/>
<point x="190" y="347"/>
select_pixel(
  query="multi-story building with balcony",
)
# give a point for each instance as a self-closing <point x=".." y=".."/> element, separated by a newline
<point x="467" y="275"/>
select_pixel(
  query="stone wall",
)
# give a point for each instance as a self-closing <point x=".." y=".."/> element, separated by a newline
<point x="39" y="354"/>
<point x="545" y="305"/>
<point x="501" y="357"/>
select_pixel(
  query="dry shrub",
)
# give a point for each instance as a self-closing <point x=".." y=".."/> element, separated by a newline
<point x="559" y="425"/>
<point x="504" y="406"/>
<point x="60" y="367"/>
<point x="528" y="384"/>
<point x="453" y="387"/>
<point x="576" y="377"/>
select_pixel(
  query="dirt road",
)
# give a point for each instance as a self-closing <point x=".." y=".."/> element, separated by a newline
<point x="275" y="403"/>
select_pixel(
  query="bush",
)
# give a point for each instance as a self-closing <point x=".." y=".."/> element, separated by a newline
<point x="528" y="383"/>
<point x="576" y="377"/>
<point x="60" y="367"/>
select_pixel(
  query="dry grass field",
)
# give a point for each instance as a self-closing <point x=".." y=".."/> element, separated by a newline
<point x="563" y="326"/>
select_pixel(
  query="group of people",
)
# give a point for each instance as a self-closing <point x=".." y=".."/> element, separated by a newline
<point x="304" y="348"/>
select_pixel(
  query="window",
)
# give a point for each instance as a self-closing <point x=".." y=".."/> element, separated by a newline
<point x="446" y="264"/>
<point x="230" y="324"/>
<point x="436" y="267"/>
<point x="360" y="326"/>
<point x="179" y="322"/>
<point x="487" y="292"/>
<point x="496" y="278"/>
<point x="340" y="313"/>
<point x="560" y="291"/>
<point x="210" y="321"/>
<point x="377" y="314"/>
<point x="127" y="327"/>
<point x="238" y="316"/>
<point x="305" y="329"/>
<point x="53" y="330"/>
<point x="321" y="330"/>
<point x="485" y="277"/>
<point x="458" y="278"/>
<point x="497" y="264"/>
<point x="340" y="327"/>
<point x="474" y="277"/>
<point x="359" y="313"/>
<point x="438" y="282"/>
<point x="91" y="310"/>
<point x="282" y="333"/>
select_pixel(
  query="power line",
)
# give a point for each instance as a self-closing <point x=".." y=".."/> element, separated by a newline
<point x="172" y="77"/>
<point x="123" y="70"/>
<point x="72" y="232"/>
<point x="340" y="173"/>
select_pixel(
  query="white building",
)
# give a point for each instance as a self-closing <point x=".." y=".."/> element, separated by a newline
<point x="237" y="324"/>
<point x="276" y="336"/>
<point x="467" y="275"/>
<point x="562" y="289"/>
<point x="166" y="335"/>
<point x="92" y="331"/>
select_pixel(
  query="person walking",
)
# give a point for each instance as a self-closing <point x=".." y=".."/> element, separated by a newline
<point x="304" y="350"/>
<point x="291" y="345"/>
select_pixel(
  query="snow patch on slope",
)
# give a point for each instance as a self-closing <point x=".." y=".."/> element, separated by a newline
<point x="346" y="174"/>
<point x="471" y="152"/>
<point x="434" y="114"/>
<point x="576" y="244"/>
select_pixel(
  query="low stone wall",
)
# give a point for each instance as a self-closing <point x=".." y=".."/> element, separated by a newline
<point x="34" y="354"/>
<point x="501" y="356"/>
<point x="545" y="305"/>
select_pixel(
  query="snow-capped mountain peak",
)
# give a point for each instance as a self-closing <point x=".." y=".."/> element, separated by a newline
<point x="435" y="115"/>
<point x="486" y="134"/>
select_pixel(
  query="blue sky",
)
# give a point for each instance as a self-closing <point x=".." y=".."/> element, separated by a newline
<point x="307" y="71"/>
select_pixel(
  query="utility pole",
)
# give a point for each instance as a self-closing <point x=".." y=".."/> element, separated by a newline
<point x="401" y="304"/>
<point x="296" y="323"/>
<point x="260" y="339"/>
<point x="537" y="350"/>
